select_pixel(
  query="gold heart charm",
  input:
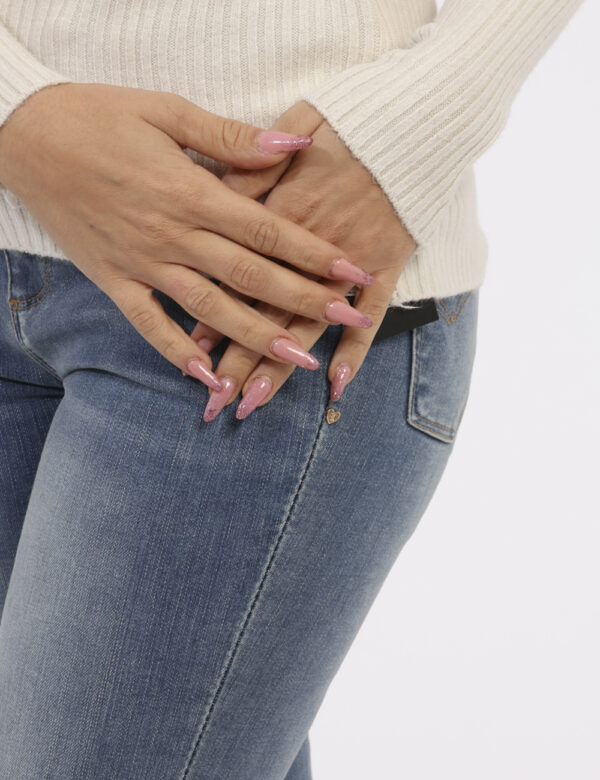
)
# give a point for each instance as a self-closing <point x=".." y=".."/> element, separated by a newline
<point x="333" y="415"/>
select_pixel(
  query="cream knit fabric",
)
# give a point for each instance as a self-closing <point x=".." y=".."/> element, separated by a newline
<point x="416" y="95"/>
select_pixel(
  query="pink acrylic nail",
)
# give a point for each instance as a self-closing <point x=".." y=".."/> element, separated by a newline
<point x="289" y="350"/>
<point x="347" y="315"/>
<point x="198" y="370"/>
<point x="259" y="389"/>
<point x="272" y="142"/>
<point x="218" y="399"/>
<point x="343" y="269"/>
<point x="205" y="343"/>
<point x="341" y="376"/>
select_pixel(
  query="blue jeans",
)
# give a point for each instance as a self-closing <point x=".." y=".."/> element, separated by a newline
<point x="178" y="595"/>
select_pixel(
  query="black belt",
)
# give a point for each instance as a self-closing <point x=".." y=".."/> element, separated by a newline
<point x="398" y="319"/>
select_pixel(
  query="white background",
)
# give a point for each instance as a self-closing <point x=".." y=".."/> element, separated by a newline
<point x="480" y="658"/>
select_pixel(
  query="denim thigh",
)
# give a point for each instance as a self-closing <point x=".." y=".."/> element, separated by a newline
<point x="183" y="593"/>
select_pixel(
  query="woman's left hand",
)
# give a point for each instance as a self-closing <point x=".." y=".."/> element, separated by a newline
<point x="327" y="190"/>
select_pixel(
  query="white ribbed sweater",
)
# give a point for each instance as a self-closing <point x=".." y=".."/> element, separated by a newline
<point x="416" y="95"/>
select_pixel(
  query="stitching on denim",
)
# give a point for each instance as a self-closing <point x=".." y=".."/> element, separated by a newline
<point x="242" y="631"/>
<point x="45" y="288"/>
<point x="437" y="424"/>
<point x="455" y="315"/>
<point x="29" y="352"/>
<point x="415" y="374"/>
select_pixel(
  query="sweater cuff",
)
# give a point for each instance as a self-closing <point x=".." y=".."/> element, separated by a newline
<point x="416" y="118"/>
<point x="21" y="74"/>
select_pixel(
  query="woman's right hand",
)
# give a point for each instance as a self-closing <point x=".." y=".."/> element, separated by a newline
<point x="102" y="169"/>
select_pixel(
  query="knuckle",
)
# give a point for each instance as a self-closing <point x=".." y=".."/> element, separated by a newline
<point x="145" y="321"/>
<point x="185" y="196"/>
<point x="306" y="304"/>
<point x="175" y="107"/>
<point x="245" y="362"/>
<point x="375" y="309"/>
<point x="247" y="335"/>
<point x="274" y="313"/>
<point x="262" y="234"/>
<point x="305" y="207"/>
<point x="355" y="350"/>
<point x="231" y="135"/>
<point x="171" y="351"/>
<point x="247" y="276"/>
<point x="156" y="228"/>
<point x="200" y="301"/>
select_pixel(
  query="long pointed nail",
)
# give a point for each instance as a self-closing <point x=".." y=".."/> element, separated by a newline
<point x="347" y="315"/>
<point x="341" y="376"/>
<point x="218" y="399"/>
<point x="198" y="370"/>
<point x="272" y="142"/>
<point x="343" y="269"/>
<point x="289" y="350"/>
<point x="259" y="389"/>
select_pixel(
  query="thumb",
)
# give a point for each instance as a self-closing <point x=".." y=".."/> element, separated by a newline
<point x="300" y="116"/>
<point x="233" y="142"/>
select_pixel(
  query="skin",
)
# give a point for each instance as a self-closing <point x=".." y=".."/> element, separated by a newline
<point x="102" y="169"/>
<point x="327" y="190"/>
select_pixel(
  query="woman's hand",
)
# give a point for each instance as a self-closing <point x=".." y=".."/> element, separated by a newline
<point x="102" y="168"/>
<point x="328" y="191"/>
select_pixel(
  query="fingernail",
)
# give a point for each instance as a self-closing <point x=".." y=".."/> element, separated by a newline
<point x="205" y="343"/>
<point x="347" y="315"/>
<point x="197" y="369"/>
<point x="218" y="399"/>
<point x="289" y="350"/>
<point x="272" y="142"/>
<point x="341" y="376"/>
<point x="343" y="269"/>
<point x="259" y="389"/>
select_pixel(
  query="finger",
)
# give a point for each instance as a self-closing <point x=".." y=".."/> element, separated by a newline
<point x="265" y="280"/>
<point x="219" y="137"/>
<point x="237" y="363"/>
<point x="205" y="301"/>
<point x="257" y="227"/>
<point x="239" y="368"/>
<point x="299" y="118"/>
<point x="254" y="184"/>
<point x="144" y="311"/>
<point x="354" y="343"/>
<point x="208" y="337"/>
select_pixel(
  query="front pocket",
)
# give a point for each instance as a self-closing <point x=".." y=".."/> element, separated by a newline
<point x="443" y="353"/>
<point x="30" y="278"/>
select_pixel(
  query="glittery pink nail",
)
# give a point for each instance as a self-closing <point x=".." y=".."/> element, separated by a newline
<point x="289" y="350"/>
<point x="273" y="142"/>
<point x="342" y="269"/>
<point x="341" y="376"/>
<point x="198" y="370"/>
<point x="218" y="399"/>
<point x="347" y="315"/>
<point x="259" y="389"/>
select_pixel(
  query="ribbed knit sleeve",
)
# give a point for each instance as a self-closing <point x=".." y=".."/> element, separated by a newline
<point x="418" y="116"/>
<point x="21" y="74"/>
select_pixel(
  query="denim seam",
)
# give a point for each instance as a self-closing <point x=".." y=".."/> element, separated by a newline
<point x="15" y="303"/>
<point x="453" y="316"/>
<point x="17" y="330"/>
<point x="29" y="352"/>
<point x="413" y="415"/>
<point x="251" y="609"/>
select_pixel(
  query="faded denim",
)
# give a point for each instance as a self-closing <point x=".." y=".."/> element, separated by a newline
<point x="180" y="594"/>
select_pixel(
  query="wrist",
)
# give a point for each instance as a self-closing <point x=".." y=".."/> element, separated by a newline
<point x="21" y="130"/>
